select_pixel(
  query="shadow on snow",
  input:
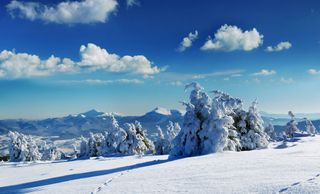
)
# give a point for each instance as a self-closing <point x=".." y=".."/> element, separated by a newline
<point x="31" y="186"/>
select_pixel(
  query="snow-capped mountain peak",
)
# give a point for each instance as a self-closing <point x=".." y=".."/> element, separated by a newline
<point x="162" y="111"/>
<point x="91" y="113"/>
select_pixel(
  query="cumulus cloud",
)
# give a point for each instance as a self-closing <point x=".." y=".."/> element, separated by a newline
<point x="16" y="65"/>
<point x="265" y="72"/>
<point x="279" y="47"/>
<point x="92" y="58"/>
<point x="187" y="41"/>
<point x="66" y="12"/>
<point x="231" y="38"/>
<point x="313" y="72"/>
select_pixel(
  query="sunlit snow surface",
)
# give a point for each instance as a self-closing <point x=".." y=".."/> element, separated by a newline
<point x="293" y="167"/>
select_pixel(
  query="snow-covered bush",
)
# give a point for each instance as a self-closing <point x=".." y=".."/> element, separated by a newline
<point x="22" y="148"/>
<point x="310" y="128"/>
<point x="253" y="134"/>
<point x="217" y="124"/>
<point x="162" y="145"/>
<point x="271" y="132"/>
<point x="291" y="127"/>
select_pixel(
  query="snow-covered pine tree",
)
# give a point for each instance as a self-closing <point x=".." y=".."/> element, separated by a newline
<point x="22" y="148"/>
<point x="114" y="136"/>
<point x="310" y="128"/>
<point x="207" y="124"/>
<point x="252" y="136"/>
<point x="136" y="141"/>
<point x="172" y="130"/>
<point x="95" y="144"/>
<point x="50" y="152"/>
<point x="84" y="148"/>
<point x="271" y="132"/>
<point x="291" y="127"/>
<point x="162" y="145"/>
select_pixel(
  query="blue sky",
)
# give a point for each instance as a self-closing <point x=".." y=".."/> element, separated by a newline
<point x="131" y="56"/>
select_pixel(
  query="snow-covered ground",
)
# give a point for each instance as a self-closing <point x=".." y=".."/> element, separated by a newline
<point x="282" y="168"/>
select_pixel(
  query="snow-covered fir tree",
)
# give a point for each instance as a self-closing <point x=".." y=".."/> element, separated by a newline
<point x="310" y="128"/>
<point x="253" y="134"/>
<point x="114" y="136"/>
<point x="50" y="152"/>
<point x="172" y="130"/>
<point x="23" y="148"/>
<point x="206" y="124"/>
<point x="291" y="127"/>
<point x="84" y="148"/>
<point x="271" y="132"/>
<point x="136" y="141"/>
<point x="217" y="124"/>
<point x="162" y="145"/>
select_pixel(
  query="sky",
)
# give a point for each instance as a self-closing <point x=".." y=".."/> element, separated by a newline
<point x="129" y="56"/>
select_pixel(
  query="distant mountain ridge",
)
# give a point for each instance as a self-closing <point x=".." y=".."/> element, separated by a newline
<point x="91" y="121"/>
<point x="73" y="126"/>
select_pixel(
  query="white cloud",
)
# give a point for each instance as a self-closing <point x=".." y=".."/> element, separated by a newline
<point x="281" y="46"/>
<point x="187" y="41"/>
<point x="14" y="65"/>
<point x="131" y="3"/>
<point x="313" y="72"/>
<point x="231" y="38"/>
<point x="92" y="58"/>
<point x="104" y="82"/>
<point x="67" y="12"/>
<point x="265" y="72"/>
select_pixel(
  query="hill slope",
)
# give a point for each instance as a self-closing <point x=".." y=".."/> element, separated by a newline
<point x="283" y="168"/>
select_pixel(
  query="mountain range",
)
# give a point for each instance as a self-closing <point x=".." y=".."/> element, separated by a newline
<point x="72" y="126"/>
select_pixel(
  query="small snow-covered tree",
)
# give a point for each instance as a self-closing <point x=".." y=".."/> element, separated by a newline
<point x="162" y="145"/>
<point x="310" y="128"/>
<point x="136" y="141"/>
<point x="50" y="152"/>
<point x="84" y="148"/>
<point x="291" y="127"/>
<point x="172" y="130"/>
<point x="114" y="136"/>
<point x="271" y="132"/>
<point x="23" y="148"/>
<point x="253" y="135"/>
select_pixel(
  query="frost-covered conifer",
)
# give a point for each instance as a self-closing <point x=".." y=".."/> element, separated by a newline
<point x="50" y="152"/>
<point x="136" y="141"/>
<point x="114" y="136"/>
<point x="22" y="148"/>
<point x="207" y="126"/>
<point x="172" y="130"/>
<point x="84" y="148"/>
<point x="291" y="127"/>
<point x="271" y="132"/>
<point x="253" y="135"/>
<point x="310" y="128"/>
<point x="162" y="145"/>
